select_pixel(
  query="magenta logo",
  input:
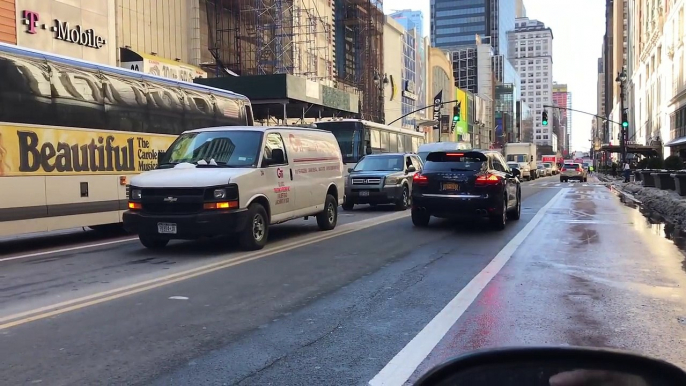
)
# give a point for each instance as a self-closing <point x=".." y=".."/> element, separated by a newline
<point x="31" y="21"/>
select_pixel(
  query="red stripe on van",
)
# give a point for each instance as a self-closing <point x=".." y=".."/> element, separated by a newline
<point x="316" y="159"/>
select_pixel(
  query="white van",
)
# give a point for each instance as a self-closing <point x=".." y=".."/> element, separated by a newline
<point x="237" y="180"/>
<point x="427" y="148"/>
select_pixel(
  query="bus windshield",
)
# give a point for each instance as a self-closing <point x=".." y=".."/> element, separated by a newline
<point x="216" y="148"/>
<point x="348" y="136"/>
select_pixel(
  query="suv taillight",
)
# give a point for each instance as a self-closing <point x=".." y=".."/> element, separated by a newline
<point x="487" y="179"/>
<point x="420" y="180"/>
<point x="564" y="169"/>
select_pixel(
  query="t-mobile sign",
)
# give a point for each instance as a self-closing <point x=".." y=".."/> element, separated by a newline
<point x="62" y="30"/>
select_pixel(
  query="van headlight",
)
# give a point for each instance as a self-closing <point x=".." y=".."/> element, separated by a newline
<point x="136" y="194"/>
<point x="219" y="194"/>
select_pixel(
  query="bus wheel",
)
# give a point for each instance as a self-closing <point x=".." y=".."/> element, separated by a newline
<point x="153" y="242"/>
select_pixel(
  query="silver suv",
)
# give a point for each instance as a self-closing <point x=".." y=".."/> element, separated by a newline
<point x="573" y="172"/>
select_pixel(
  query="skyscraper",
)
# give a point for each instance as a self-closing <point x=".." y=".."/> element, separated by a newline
<point x="454" y="23"/>
<point x="563" y="98"/>
<point x="413" y="20"/>
<point x="531" y="49"/>
<point x="410" y="19"/>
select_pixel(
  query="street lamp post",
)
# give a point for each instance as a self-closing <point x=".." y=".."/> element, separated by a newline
<point x="621" y="79"/>
<point x="382" y="86"/>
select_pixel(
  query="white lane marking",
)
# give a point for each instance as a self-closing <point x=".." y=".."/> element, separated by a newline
<point x="79" y="247"/>
<point x="86" y="246"/>
<point x="116" y="293"/>
<point x="405" y="363"/>
<point x="558" y="184"/>
<point x="178" y="298"/>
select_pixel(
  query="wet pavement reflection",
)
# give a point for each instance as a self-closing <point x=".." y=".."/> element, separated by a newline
<point x="655" y="224"/>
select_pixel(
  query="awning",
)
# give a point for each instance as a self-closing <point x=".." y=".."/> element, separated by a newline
<point x="633" y="148"/>
<point x="155" y="65"/>
<point x="676" y="142"/>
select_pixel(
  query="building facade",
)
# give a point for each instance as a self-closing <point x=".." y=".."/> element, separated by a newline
<point x="442" y="84"/>
<point x="414" y="20"/>
<point x="563" y="98"/>
<point x="455" y="22"/>
<point x="83" y="30"/>
<point x="409" y="95"/>
<point x="532" y="51"/>
<point x="8" y="22"/>
<point x="394" y="41"/>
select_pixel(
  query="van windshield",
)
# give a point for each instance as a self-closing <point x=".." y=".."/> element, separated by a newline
<point x="517" y="158"/>
<point x="231" y="148"/>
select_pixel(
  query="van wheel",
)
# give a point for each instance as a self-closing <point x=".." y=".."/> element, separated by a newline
<point x="153" y="242"/>
<point x="327" y="219"/>
<point x="256" y="231"/>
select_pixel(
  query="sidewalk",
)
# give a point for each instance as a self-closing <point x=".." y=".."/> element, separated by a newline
<point x="666" y="203"/>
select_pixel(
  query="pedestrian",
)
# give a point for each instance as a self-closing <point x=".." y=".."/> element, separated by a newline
<point x="614" y="169"/>
<point x="627" y="171"/>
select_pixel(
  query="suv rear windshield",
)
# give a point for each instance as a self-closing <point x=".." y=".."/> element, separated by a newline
<point x="571" y="166"/>
<point x="444" y="161"/>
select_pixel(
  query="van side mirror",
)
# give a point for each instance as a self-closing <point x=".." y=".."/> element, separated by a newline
<point x="278" y="158"/>
<point x="160" y="155"/>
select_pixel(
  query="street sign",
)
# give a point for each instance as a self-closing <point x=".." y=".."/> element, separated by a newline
<point x="438" y="99"/>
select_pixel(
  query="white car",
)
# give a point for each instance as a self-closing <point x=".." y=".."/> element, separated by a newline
<point x="237" y="181"/>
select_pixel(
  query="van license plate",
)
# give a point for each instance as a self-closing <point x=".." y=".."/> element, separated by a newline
<point x="450" y="186"/>
<point x="166" y="228"/>
<point x="364" y="193"/>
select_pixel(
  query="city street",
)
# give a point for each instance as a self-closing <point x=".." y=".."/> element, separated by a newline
<point x="361" y="304"/>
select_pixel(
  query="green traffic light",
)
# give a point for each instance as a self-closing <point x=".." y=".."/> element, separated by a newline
<point x="545" y="123"/>
<point x="456" y="118"/>
<point x="625" y="124"/>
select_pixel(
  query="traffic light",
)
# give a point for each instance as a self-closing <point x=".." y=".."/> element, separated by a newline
<point x="456" y="113"/>
<point x="544" y="118"/>
<point x="625" y="119"/>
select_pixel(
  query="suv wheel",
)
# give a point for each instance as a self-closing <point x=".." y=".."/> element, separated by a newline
<point x="420" y="219"/>
<point x="517" y="212"/>
<point x="404" y="201"/>
<point x="499" y="220"/>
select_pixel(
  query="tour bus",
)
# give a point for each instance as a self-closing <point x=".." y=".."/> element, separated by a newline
<point x="72" y="133"/>
<point x="358" y="137"/>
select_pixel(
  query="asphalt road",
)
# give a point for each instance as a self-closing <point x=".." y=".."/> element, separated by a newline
<point x="315" y="307"/>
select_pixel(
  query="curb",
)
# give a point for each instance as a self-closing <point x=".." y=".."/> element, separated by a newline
<point x="625" y="194"/>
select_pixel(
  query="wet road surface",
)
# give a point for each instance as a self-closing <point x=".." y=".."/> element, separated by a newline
<point x="579" y="268"/>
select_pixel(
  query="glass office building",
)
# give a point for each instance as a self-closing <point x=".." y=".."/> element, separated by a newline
<point x="455" y="23"/>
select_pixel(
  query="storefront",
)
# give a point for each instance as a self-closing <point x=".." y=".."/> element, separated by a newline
<point x="58" y="26"/>
<point x="8" y="22"/>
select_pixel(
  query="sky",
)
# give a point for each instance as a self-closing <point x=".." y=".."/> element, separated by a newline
<point x="578" y="27"/>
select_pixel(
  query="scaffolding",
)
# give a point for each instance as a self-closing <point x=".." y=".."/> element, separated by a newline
<point x="359" y="53"/>
<point x="265" y="37"/>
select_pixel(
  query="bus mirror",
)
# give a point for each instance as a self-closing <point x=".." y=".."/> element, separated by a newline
<point x="368" y="149"/>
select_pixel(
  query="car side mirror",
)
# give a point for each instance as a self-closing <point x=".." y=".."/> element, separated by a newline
<point x="278" y="158"/>
<point x="411" y="169"/>
<point x="516" y="172"/>
<point x="350" y="170"/>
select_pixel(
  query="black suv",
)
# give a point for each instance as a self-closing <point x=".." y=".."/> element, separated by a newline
<point x="382" y="179"/>
<point x="470" y="183"/>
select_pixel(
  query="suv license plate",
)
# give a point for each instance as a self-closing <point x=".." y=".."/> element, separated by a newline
<point x="364" y="193"/>
<point x="166" y="228"/>
<point x="450" y="186"/>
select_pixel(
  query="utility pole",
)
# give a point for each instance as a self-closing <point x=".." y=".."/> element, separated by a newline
<point x="623" y="139"/>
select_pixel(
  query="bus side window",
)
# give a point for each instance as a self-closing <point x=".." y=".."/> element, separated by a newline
<point x="375" y="140"/>
<point x="393" y="144"/>
<point x="77" y="96"/>
<point x="25" y="95"/>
